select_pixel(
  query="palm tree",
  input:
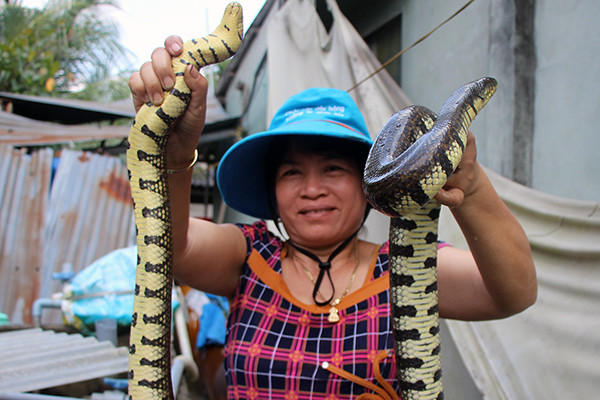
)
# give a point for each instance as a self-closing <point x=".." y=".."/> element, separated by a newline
<point x="60" y="49"/>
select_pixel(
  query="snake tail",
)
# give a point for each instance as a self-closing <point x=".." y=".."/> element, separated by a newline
<point x="150" y="337"/>
<point x="412" y="158"/>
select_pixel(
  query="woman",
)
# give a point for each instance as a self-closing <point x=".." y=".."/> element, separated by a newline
<point x="321" y="296"/>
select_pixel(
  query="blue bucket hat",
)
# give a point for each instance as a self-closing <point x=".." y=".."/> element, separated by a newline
<point x="324" y="112"/>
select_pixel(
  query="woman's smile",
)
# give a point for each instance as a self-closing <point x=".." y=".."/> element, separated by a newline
<point x="316" y="211"/>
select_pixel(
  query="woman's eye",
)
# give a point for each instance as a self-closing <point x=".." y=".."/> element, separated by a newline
<point x="334" y="168"/>
<point x="289" y="172"/>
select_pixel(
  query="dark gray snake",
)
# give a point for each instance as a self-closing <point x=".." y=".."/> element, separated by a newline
<point x="412" y="158"/>
<point x="150" y="340"/>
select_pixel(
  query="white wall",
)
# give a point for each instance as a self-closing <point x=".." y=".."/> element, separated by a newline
<point x="567" y="121"/>
<point x="479" y="42"/>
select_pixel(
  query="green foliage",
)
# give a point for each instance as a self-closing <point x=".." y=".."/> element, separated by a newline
<point x="103" y="90"/>
<point x="67" y="46"/>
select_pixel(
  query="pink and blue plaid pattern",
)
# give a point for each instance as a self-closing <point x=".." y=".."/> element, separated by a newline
<point x="276" y="347"/>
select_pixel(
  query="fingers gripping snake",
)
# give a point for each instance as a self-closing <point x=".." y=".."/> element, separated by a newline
<point x="413" y="156"/>
<point x="150" y="339"/>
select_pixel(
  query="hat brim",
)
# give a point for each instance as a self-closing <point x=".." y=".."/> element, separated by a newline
<point x="241" y="175"/>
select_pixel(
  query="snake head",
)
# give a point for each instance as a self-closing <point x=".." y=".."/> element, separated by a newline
<point x="396" y="178"/>
<point x="416" y="151"/>
<point x="216" y="47"/>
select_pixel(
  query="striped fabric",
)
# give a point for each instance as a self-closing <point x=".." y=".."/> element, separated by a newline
<point x="276" y="345"/>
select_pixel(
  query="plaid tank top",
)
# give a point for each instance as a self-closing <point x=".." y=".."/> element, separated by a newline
<point x="280" y="348"/>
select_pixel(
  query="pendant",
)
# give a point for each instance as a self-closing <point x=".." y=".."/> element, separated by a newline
<point x="333" y="315"/>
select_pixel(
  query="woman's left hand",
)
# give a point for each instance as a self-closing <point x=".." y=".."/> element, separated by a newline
<point x="497" y="278"/>
<point x="464" y="179"/>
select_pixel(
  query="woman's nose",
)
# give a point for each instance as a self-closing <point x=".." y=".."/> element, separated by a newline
<point x="313" y="185"/>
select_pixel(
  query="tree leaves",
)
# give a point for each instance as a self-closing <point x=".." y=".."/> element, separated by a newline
<point x="65" y="47"/>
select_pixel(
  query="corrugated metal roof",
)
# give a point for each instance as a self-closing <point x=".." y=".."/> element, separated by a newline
<point x="33" y="359"/>
<point x="20" y="130"/>
<point x="67" y="111"/>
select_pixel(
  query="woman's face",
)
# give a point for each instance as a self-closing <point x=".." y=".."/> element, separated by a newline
<point x="319" y="198"/>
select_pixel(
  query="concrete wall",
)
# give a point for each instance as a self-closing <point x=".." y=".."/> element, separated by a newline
<point x="566" y="151"/>
<point x="539" y="128"/>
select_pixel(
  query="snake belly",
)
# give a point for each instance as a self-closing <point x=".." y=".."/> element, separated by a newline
<point x="150" y="337"/>
<point x="413" y="156"/>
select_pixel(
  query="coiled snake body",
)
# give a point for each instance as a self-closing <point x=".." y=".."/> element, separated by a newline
<point x="412" y="158"/>
<point x="150" y="340"/>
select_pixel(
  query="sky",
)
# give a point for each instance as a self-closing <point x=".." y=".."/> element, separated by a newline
<point x="145" y="24"/>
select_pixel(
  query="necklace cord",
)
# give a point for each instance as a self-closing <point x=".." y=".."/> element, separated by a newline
<point x="324" y="267"/>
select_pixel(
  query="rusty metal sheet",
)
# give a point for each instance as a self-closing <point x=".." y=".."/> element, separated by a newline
<point x="85" y="214"/>
<point x="89" y="214"/>
<point x="23" y="201"/>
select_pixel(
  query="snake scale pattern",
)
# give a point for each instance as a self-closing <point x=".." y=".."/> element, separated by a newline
<point x="150" y="339"/>
<point x="413" y="156"/>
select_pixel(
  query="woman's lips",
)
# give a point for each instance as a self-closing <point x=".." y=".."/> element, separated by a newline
<point x="316" y="210"/>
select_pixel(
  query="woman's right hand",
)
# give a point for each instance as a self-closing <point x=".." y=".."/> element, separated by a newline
<point x="149" y="85"/>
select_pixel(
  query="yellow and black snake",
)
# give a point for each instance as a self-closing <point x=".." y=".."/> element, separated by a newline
<point x="150" y="340"/>
<point x="412" y="158"/>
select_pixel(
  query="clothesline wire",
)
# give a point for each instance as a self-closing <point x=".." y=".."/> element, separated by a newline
<point x="422" y="38"/>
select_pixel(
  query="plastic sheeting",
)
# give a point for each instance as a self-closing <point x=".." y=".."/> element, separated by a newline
<point x="304" y="50"/>
<point x="551" y="350"/>
<point x="104" y="289"/>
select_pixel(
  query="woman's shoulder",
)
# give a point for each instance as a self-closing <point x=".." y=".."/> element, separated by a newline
<point x="258" y="235"/>
<point x="384" y="248"/>
<point x="256" y="230"/>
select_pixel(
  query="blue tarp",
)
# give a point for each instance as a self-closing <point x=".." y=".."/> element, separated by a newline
<point x="108" y="284"/>
<point x="112" y="277"/>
